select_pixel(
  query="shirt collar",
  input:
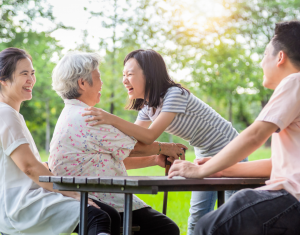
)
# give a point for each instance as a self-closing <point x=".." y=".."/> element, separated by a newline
<point x="75" y="102"/>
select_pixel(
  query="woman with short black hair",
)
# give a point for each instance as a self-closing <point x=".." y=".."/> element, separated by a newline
<point x="28" y="206"/>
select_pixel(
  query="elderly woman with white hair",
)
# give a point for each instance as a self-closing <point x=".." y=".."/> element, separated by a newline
<point x="80" y="149"/>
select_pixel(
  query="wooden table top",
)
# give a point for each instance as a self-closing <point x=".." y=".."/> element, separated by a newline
<point x="150" y="180"/>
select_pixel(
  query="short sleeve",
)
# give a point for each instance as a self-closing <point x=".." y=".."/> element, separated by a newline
<point x="284" y="105"/>
<point x="175" y="100"/>
<point x="110" y="140"/>
<point x="143" y="114"/>
<point x="11" y="131"/>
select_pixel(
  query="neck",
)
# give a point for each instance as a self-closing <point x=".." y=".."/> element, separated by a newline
<point x="15" y="105"/>
<point x="85" y="100"/>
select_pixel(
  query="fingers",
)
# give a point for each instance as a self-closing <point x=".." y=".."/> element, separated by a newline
<point x="174" y="173"/>
<point x="171" y="159"/>
<point x="182" y="146"/>
<point x="201" y="161"/>
<point x="91" y="203"/>
<point x="96" y="123"/>
<point x="90" y="113"/>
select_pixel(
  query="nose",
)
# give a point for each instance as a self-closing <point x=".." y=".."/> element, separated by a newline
<point x="32" y="78"/>
<point x="125" y="80"/>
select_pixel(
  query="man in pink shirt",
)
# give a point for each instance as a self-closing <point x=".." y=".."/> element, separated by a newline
<point x="275" y="208"/>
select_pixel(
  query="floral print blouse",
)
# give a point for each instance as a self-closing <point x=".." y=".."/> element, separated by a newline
<point x="78" y="149"/>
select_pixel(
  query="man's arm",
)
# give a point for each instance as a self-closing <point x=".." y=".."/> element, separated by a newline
<point x="241" y="147"/>
<point x="259" y="168"/>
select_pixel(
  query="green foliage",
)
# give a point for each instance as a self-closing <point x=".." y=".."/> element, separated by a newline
<point x="222" y="53"/>
<point x="45" y="102"/>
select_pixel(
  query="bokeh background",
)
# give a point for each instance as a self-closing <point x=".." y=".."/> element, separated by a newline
<point x="213" y="48"/>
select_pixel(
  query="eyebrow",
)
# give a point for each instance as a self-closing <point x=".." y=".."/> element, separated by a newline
<point x="26" y="71"/>
<point x="130" y="70"/>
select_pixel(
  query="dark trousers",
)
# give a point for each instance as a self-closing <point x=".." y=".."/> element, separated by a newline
<point x="254" y="212"/>
<point x="109" y="220"/>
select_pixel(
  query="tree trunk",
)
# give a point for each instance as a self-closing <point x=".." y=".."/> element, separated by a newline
<point x="112" y="106"/>
<point x="170" y="138"/>
<point x="47" y="143"/>
<point x="230" y="109"/>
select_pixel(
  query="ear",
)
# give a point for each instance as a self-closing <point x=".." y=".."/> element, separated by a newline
<point x="281" y="58"/>
<point x="82" y="83"/>
<point x="3" y="83"/>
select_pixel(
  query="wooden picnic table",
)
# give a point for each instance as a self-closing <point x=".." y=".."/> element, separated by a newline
<point x="143" y="185"/>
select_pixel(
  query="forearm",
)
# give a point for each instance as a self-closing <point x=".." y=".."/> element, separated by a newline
<point x="241" y="147"/>
<point x="39" y="169"/>
<point x="139" y="162"/>
<point x="259" y="169"/>
<point x="144" y="135"/>
<point x="141" y="149"/>
<point x="27" y="163"/>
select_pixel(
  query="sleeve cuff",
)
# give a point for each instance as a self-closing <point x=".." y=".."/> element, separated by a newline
<point x="273" y="120"/>
<point x="15" y="145"/>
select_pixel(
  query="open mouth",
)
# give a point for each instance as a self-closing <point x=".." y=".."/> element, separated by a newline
<point x="28" y="89"/>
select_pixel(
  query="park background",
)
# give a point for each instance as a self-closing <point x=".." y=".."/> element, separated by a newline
<point x="213" y="48"/>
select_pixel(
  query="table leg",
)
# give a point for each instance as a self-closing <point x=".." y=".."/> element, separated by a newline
<point x="127" y="220"/>
<point x="221" y="198"/>
<point x="83" y="213"/>
<point x="165" y="202"/>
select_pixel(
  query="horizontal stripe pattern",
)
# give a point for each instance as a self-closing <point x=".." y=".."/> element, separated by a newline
<point x="195" y="122"/>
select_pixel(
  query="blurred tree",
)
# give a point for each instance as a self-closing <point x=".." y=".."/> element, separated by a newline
<point x="41" y="113"/>
<point x="16" y="22"/>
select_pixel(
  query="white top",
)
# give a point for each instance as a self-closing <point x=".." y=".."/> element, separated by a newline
<point x="25" y="207"/>
<point x="78" y="149"/>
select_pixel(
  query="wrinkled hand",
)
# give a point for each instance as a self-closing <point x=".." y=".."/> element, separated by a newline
<point x="99" y="116"/>
<point x="160" y="160"/>
<point x="185" y="169"/>
<point x="173" y="151"/>
<point x="203" y="160"/>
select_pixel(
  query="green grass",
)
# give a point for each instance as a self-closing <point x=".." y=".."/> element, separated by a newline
<point x="178" y="202"/>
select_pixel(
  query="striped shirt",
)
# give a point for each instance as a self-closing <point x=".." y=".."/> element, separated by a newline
<point x="195" y="122"/>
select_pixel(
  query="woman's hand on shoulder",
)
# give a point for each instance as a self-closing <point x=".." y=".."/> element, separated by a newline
<point x="100" y="116"/>
<point x="173" y="151"/>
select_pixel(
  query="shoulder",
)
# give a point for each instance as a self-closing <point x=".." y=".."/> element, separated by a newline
<point x="8" y="115"/>
<point x="291" y="81"/>
<point x="176" y="92"/>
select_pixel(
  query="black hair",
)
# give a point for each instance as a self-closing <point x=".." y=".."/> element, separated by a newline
<point x="158" y="80"/>
<point x="8" y="61"/>
<point x="287" y="39"/>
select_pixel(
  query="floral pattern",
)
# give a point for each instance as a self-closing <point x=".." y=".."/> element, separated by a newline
<point x="79" y="149"/>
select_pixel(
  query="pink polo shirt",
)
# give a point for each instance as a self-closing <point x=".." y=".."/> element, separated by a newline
<point x="283" y="109"/>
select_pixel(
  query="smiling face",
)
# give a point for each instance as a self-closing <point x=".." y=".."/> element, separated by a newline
<point x="272" y="73"/>
<point x="92" y="93"/>
<point x="134" y="79"/>
<point x="20" y="89"/>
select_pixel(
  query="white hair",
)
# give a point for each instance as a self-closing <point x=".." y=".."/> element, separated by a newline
<point x="73" y="66"/>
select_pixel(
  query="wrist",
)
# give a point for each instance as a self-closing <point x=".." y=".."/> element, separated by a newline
<point x="113" y="121"/>
<point x="164" y="148"/>
<point x="155" y="160"/>
<point x="160" y="146"/>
